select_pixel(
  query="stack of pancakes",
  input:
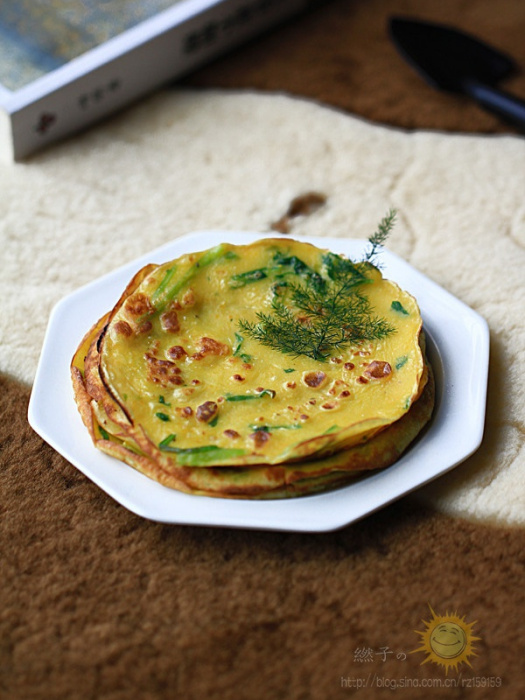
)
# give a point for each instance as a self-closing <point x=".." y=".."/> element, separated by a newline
<point x="187" y="381"/>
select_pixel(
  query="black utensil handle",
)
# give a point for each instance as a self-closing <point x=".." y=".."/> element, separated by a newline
<point x="501" y="103"/>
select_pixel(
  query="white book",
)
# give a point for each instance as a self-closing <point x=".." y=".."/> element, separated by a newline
<point x="65" y="64"/>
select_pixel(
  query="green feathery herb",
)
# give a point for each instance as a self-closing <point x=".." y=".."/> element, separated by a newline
<point x="378" y="238"/>
<point x="322" y="312"/>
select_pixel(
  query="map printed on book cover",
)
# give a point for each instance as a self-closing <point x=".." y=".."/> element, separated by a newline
<point x="65" y="64"/>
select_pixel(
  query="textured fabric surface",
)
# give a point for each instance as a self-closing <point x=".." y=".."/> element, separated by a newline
<point x="99" y="603"/>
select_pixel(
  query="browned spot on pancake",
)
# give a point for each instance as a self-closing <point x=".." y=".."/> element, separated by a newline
<point x="206" y="411"/>
<point x="145" y="327"/>
<point x="186" y="301"/>
<point x="138" y="305"/>
<point x="336" y="385"/>
<point x="188" y="298"/>
<point x="163" y="372"/>
<point x="210" y="346"/>
<point x="123" y="328"/>
<point x="260" y="437"/>
<point x="170" y="321"/>
<point x="314" y="379"/>
<point x="177" y="352"/>
<point x="233" y="434"/>
<point x="378" y="369"/>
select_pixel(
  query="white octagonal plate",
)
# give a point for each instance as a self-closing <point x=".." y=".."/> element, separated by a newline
<point x="458" y="348"/>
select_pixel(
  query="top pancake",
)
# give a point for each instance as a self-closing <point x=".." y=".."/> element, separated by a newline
<point x="178" y="365"/>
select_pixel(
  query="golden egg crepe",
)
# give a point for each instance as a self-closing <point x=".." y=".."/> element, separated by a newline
<point x="265" y="370"/>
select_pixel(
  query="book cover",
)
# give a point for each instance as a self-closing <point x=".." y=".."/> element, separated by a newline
<point x="65" y="64"/>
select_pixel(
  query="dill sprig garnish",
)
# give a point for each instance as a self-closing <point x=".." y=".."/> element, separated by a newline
<point x="319" y="324"/>
<point x="378" y="238"/>
<point x="322" y="313"/>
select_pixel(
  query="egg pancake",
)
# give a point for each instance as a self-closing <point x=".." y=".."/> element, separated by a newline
<point x="271" y="369"/>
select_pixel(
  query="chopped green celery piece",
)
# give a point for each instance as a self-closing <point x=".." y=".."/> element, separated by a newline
<point x="250" y="397"/>
<point x="162" y="286"/>
<point x="204" y="455"/>
<point x="168" y="290"/>
<point x="401" y="361"/>
<point x="269" y="428"/>
<point x="244" y="278"/>
<point x="163" y="444"/>
<point x="162" y="416"/>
